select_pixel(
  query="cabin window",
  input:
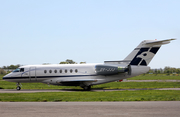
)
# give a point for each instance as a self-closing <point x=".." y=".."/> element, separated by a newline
<point x="65" y="70"/>
<point x="50" y="71"/>
<point x="60" y="71"/>
<point x="45" y="71"/>
<point x="21" y="69"/>
<point x="71" y="70"/>
<point x="55" y="71"/>
<point x="76" y="70"/>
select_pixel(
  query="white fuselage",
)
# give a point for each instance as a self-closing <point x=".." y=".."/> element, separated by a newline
<point x="86" y="75"/>
<point x="50" y="74"/>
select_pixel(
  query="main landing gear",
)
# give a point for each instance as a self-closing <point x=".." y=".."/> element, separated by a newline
<point x="18" y="86"/>
<point x="87" y="88"/>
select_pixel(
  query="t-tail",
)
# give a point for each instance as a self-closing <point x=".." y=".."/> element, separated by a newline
<point x="143" y="53"/>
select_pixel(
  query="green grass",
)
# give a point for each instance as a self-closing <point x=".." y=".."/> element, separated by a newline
<point x="112" y="85"/>
<point x="139" y="95"/>
<point x="1" y="75"/>
<point x="143" y="95"/>
<point x="156" y="77"/>
<point x="138" y="85"/>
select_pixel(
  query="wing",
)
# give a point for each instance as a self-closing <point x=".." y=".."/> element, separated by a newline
<point x="76" y="82"/>
<point x="70" y="81"/>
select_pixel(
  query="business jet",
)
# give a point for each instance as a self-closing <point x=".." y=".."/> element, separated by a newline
<point x="87" y="75"/>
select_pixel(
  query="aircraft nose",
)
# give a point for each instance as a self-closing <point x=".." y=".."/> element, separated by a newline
<point x="5" y="77"/>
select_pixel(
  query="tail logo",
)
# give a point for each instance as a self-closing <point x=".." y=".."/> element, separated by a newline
<point x="144" y="56"/>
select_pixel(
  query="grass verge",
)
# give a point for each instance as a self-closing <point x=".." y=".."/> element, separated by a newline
<point x="111" y="85"/>
<point x="148" y="95"/>
<point x="156" y="77"/>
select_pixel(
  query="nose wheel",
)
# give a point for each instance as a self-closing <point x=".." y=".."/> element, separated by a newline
<point x="18" y="86"/>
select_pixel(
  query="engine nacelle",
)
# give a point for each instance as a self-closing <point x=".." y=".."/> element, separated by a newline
<point x="111" y="69"/>
<point x="137" y="70"/>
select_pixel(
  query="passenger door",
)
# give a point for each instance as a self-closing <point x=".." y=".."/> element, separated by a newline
<point x="32" y="74"/>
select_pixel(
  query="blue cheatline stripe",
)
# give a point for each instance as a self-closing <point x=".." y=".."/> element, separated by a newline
<point x="46" y="76"/>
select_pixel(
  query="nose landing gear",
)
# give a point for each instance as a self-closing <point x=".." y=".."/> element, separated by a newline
<point x="18" y="86"/>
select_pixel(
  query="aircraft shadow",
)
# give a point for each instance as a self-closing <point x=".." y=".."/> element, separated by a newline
<point x="100" y="89"/>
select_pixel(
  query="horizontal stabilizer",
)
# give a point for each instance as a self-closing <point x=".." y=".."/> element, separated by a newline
<point x="117" y="62"/>
<point x="161" y="42"/>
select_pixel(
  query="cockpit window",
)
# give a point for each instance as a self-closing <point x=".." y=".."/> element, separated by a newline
<point x="19" y="70"/>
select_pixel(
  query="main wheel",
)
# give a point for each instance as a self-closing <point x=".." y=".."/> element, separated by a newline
<point x="87" y="88"/>
<point x="18" y="88"/>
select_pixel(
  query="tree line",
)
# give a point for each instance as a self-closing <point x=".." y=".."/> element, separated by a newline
<point x="2" y="70"/>
<point x="69" y="61"/>
<point x="167" y="70"/>
<point x="11" y="66"/>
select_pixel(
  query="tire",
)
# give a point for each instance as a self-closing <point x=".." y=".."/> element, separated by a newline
<point x="18" y="88"/>
<point x="87" y="88"/>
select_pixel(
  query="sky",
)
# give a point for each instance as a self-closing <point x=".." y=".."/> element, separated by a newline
<point x="91" y="31"/>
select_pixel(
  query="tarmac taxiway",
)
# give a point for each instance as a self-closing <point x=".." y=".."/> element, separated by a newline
<point x="90" y="109"/>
